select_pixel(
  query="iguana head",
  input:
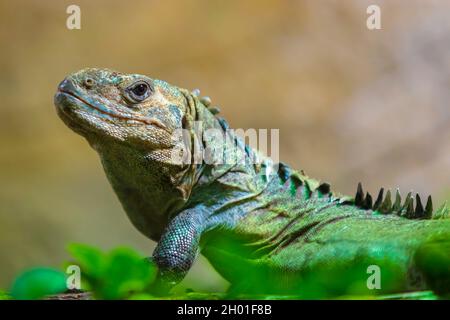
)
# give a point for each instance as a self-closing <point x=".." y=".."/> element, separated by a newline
<point x="130" y="108"/>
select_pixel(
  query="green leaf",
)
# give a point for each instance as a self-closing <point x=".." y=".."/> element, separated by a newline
<point x="126" y="272"/>
<point x="143" y="296"/>
<point x="114" y="275"/>
<point x="37" y="283"/>
<point x="92" y="261"/>
<point x="4" y="295"/>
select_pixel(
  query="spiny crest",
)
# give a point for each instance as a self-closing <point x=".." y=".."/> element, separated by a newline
<point x="302" y="185"/>
<point x="384" y="205"/>
<point x="206" y="101"/>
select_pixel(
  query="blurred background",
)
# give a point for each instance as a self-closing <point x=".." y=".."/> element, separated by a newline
<point x="351" y="104"/>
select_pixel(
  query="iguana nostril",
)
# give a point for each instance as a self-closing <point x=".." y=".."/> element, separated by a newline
<point x="89" y="82"/>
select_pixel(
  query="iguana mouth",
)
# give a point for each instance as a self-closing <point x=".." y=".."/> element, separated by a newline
<point x="111" y="114"/>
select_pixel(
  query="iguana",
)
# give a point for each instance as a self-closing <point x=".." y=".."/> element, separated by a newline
<point x="264" y="227"/>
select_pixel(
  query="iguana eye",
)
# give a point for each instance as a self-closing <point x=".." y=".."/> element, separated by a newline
<point x="88" y="83"/>
<point x="138" y="91"/>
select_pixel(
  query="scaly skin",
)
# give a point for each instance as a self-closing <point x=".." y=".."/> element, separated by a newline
<point x="265" y="227"/>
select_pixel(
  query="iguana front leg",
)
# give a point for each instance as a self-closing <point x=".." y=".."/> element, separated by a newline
<point x="178" y="247"/>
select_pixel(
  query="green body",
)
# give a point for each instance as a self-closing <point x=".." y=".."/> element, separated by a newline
<point x="263" y="226"/>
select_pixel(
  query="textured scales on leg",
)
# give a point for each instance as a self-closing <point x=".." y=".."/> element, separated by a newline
<point x="264" y="226"/>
